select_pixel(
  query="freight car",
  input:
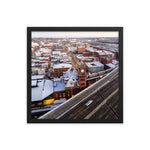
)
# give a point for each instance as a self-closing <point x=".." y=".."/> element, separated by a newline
<point x="99" y="73"/>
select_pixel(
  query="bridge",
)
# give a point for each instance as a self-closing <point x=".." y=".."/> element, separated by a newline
<point x="99" y="101"/>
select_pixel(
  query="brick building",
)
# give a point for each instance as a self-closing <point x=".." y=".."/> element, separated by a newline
<point x="106" y="60"/>
<point x="60" y="50"/>
<point x="93" y="67"/>
<point x="58" y="69"/>
<point x="87" y="54"/>
<point x="81" y="49"/>
<point x="82" y="74"/>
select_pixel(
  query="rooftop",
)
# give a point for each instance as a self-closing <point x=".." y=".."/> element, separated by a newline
<point x="62" y="65"/>
<point x="111" y="65"/>
<point x="58" y="85"/>
<point x="44" y="89"/>
<point x="34" y="44"/>
<point x="34" y="83"/>
<point x="94" y="64"/>
<point x="81" y="46"/>
<point x="80" y="57"/>
<point x="73" y="79"/>
<point x="35" y="77"/>
<point x="115" y="62"/>
<point x="67" y="74"/>
<point x="90" y="49"/>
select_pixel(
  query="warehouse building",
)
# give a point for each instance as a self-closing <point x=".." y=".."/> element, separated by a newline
<point x="93" y="67"/>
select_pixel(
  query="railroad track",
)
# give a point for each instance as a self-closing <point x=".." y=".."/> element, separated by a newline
<point x="81" y="110"/>
<point x="81" y="97"/>
<point x="108" y="110"/>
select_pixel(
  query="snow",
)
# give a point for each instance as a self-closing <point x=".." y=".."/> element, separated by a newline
<point x="63" y="65"/>
<point x="62" y="100"/>
<point x="111" y="65"/>
<point x="67" y="74"/>
<point x="34" y="82"/>
<point x="37" y="77"/>
<point x="73" y="78"/>
<point x="38" y="93"/>
<point x="59" y="85"/>
<point x="115" y="62"/>
<point x="94" y="64"/>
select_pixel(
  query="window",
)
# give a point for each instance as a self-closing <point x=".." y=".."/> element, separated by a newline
<point x="56" y="95"/>
<point x="64" y="94"/>
<point x="68" y="93"/>
<point x="82" y="79"/>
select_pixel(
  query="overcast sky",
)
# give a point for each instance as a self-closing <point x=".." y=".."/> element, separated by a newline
<point x="73" y="34"/>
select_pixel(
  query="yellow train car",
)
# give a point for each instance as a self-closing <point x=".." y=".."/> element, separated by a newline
<point x="48" y="101"/>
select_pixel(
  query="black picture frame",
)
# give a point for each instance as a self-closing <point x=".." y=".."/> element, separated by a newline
<point x="73" y="29"/>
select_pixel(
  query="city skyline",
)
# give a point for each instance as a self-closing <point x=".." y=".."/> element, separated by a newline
<point x="73" y="34"/>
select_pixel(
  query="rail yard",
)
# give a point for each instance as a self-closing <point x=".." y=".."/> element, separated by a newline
<point x="76" y="108"/>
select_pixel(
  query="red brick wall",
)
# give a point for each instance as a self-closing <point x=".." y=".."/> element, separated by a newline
<point x="81" y="49"/>
<point x="59" y="71"/>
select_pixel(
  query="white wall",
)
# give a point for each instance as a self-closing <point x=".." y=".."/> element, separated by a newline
<point x="16" y="134"/>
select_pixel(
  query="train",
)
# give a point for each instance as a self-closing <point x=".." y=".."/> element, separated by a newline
<point x="99" y="73"/>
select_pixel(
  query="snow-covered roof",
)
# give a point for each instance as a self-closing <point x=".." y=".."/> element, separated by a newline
<point x="56" y="52"/>
<point x="101" y="52"/>
<point x="72" y="48"/>
<point x="43" y="58"/>
<point x="73" y="79"/>
<point x="108" y="52"/>
<point x="48" y="44"/>
<point x="80" y="57"/>
<point x="34" y="44"/>
<point x="62" y="65"/>
<point x="34" y="83"/>
<point x="59" y="85"/>
<point x="35" y="77"/>
<point x="94" y="64"/>
<point x="45" y="50"/>
<point x="38" y="53"/>
<point x="111" y="65"/>
<point x="67" y="74"/>
<point x="81" y="46"/>
<point x="57" y="79"/>
<point x="42" y="90"/>
<point x="38" y="69"/>
<point x="115" y="62"/>
<point x="65" y="60"/>
<point x="90" y="49"/>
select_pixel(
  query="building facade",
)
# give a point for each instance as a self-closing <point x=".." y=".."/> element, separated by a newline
<point x="81" y="49"/>
<point x="82" y="75"/>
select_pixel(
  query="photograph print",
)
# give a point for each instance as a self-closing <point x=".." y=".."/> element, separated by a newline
<point x="75" y="74"/>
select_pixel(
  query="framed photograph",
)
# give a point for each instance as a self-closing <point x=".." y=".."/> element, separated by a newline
<point x="74" y="74"/>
